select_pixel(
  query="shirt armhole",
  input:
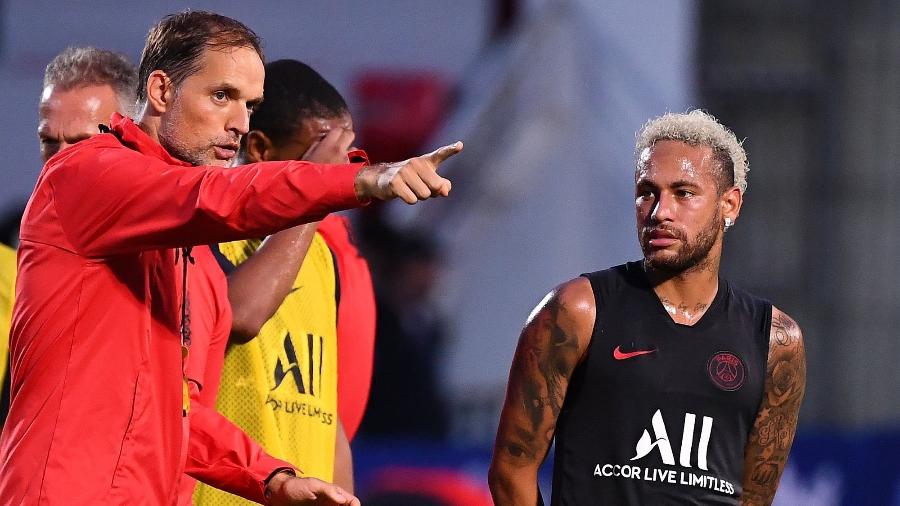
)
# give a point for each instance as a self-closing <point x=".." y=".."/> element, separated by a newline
<point x="337" y="282"/>
<point x="223" y="261"/>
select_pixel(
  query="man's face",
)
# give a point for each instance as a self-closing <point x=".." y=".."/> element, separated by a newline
<point x="310" y="130"/>
<point x="68" y="116"/>
<point x="677" y="200"/>
<point x="210" y="110"/>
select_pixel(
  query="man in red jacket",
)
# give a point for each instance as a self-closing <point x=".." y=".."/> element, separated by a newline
<point x="99" y="411"/>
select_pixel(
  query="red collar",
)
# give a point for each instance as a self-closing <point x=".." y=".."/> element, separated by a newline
<point x="133" y="137"/>
<point x="358" y="156"/>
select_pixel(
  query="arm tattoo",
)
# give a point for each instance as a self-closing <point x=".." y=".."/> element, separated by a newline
<point x="559" y="359"/>
<point x="683" y="311"/>
<point x="773" y="432"/>
<point x="546" y="358"/>
<point x="784" y="329"/>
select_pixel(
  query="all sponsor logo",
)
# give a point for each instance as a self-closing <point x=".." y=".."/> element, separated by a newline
<point x="307" y="379"/>
<point x="656" y="439"/>
<point x="660" y="441"/>
<point x="291" y="366"/>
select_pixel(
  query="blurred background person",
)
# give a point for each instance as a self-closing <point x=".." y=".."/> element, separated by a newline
<point x="83" y="87"/>
<point x="407" y="399"/>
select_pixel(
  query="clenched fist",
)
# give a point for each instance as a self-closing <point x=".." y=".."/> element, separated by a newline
<point x="411" y="180"/>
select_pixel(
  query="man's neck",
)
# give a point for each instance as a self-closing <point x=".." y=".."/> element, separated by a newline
<point x="147" y="121"/>
<point x="688" y="294"/>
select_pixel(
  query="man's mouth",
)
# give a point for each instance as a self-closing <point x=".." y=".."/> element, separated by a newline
<point x="225" y="151"/>
<point x="661" y="238"/>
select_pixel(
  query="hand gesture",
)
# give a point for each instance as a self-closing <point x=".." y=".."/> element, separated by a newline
<point x="411" y="180"/>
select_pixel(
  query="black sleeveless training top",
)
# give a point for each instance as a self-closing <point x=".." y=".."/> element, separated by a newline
<point x="659" y="413"/>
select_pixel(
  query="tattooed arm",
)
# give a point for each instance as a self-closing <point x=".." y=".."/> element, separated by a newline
<point x="552" y="343"/>
<point x="773" y="432"/>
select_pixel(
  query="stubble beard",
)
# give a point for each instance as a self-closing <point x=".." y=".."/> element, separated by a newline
<point x="178" y="148"/>
<point x="693" y="255"/>
<point x="195" y="157"/>
<point x="171" y="135"/>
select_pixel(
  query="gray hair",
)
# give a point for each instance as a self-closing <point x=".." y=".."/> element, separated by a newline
<point x="698" y="127"/>
<point x="75" y="67"/>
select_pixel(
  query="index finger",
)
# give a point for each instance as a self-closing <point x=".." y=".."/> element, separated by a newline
<point x="440" y="154"/>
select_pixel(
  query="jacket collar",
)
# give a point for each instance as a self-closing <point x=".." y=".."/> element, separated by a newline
<point x="134" y="138"/>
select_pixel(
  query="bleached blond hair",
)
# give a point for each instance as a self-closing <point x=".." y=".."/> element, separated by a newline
<point x="697" y="128"/>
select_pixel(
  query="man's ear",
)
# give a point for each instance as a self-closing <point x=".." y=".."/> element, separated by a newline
<point x="160" y="92"/>
<point x="731" y="203"/>
<point x="259" y="147"/>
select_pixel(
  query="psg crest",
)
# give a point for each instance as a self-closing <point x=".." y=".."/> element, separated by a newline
<point x="726" y="370"/>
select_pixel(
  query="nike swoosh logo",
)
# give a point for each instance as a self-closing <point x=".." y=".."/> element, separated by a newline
<point x="620" y="355"/>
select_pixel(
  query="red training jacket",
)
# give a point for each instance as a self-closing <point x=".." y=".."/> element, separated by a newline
<point x="96" y="391"/>
<point x="210" y="329"/>
<point x="355" y="323"/>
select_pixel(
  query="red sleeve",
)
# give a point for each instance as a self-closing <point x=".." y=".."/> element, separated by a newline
<point x="222" y="456"/>
<point x="355" y="323"/>
<point x="112" y="200"/>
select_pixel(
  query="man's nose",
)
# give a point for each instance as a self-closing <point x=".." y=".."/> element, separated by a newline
<point x="662" y="209"/>
<point x="239" y="121"/>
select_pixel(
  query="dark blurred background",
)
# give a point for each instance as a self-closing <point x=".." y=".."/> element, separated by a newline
<point x="547" y="95"/>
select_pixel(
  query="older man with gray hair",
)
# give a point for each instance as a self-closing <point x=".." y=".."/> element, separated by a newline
<point x="83" y="87"/>
<point x="659" y="381"/>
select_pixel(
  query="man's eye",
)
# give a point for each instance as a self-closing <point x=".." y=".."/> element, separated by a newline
<point x="220" y="96"/>
<point x="685" y="193"/>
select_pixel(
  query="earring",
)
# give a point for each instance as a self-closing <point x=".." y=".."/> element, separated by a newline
<point x="728" y="223"/>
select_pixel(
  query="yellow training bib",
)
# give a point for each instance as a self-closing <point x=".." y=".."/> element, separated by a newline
<point x="7" y="295"/>
<point x="281" y="387"/>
